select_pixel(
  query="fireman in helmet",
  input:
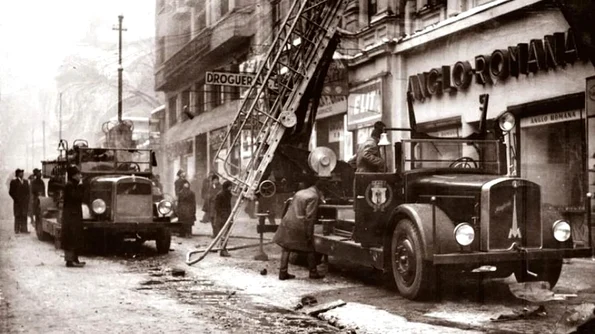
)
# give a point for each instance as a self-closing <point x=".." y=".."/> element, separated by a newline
<point x="368" y="158"/>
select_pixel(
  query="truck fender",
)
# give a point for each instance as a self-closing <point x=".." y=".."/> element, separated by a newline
<point x="421" y="216"/>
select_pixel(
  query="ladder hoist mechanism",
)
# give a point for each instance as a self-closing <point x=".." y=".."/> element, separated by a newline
<point x="284" y="96"/>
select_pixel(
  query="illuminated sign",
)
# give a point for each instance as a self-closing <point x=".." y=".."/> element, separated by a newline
<point x="550" y="52"/>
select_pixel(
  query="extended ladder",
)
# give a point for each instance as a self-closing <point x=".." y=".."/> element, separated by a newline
<point x="269" y="105"/>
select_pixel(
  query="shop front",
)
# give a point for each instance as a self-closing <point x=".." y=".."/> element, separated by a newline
<point x="364" y="109"/>
<point x="531" y="68"/>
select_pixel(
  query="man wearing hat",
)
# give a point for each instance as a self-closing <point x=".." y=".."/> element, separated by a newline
<point x="37" y="190"/>
<point x="72" y="218"/>
<point x="179" y="183"/>
<point x="19" y="191"/>
<point x="368" y="159"/>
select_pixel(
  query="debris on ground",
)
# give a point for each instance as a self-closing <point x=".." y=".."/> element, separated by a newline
<point x="525" y="314"/>
<point x="536" y="292"/>
<point x="316" y="310"/>
<point x="176" y="272"/>
<point x="263" y="272"/>
<point x="580" y="313"/>
<point x="151" y="282"/>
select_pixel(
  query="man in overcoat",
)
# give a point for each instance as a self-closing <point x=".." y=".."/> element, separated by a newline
<point x="37" y="191"/>
<point x="179" y="183"/>
<point x="209" y="207"/>
<point x="72" y="218"/>
<point x="222" y="210"/>
<point x="368" y="158"/>
<point x="19" y="191"/>
<point x="296" y="231"/>
<point x="186" y="209"/>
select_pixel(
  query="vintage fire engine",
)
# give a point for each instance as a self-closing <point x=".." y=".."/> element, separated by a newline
<point x="449" y="204"/>
<point x="119" y="199"/>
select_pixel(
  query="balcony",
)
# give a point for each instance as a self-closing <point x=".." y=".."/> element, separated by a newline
<point x="209" y="47"/>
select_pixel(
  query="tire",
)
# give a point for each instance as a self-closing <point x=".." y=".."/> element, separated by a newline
<point x="41" y="234"/>
<point x="548" y="271"/>
<point x="413" y="276"/>
<point x="163" y="241"/>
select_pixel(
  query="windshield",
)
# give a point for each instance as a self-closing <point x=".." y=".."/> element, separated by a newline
<point x="480" y="155"/>
<point x="114" y="160"/>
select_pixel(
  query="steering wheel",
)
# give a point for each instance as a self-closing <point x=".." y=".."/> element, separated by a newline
<point x="464" y="162"/>
<point x="267" y="188"/>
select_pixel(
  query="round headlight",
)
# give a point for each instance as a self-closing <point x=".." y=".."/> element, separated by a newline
<point x="98" y="206"/>
<point x="506" y="122"/>
<point x="464" y="234"/>
<point x="164" y="207"/>
<point x="561" y="230"/>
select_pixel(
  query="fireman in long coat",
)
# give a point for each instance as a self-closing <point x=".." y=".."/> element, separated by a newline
<point x="222" y="210"/>
<point x="186" y="209"/>
<point x="72" y="218"/>
<point x="19" y="191"/>
<point x="296" y="231"/>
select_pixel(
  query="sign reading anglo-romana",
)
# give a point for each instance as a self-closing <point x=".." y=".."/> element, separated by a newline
<point x="552" y="51"/>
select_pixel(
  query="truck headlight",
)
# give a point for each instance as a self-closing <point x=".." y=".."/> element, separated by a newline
<point x="561" y="230"/>
<point x="464" y="234"/>
<point x="98" y="206"/>
<point x="164" y="207"/>
<point x="506" y="122"/>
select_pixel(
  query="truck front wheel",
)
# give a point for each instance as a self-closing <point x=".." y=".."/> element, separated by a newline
<point x="163" y="241"/>
<point x="548" y="271"/>
<point x="413" y="276"/>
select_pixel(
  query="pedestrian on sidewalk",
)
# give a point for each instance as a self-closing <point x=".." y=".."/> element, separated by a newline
<point x="222" y="208"/>
<point x="72" y="218"/>
<point x="186" y="210"/>
<point x="296" y="231"/>
<point x="204" y="195"/>
<point x="179" y="183"/>
<point x="19" y="191"/>
<point x="208" y="207"/>
<point x="37" y="191"/>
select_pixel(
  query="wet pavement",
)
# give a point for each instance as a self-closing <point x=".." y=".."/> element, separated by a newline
<point x="131" y="289"/>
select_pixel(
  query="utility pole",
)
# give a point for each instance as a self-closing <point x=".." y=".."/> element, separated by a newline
<point x="43" y="134"/>
<point x="60" y="117"/>
<point x="120" y="69"/>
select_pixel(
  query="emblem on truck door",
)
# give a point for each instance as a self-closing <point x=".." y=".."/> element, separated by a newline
<point x="379" y="195"/>
<point x="515" y="231"/>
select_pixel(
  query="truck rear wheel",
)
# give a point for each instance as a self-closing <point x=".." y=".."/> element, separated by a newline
<point x="548" y="271"/>
<point x="413" y="276"/>
<point x="163" y="241"/>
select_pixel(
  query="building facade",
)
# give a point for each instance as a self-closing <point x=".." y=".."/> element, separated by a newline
<point x="445" y="52"/>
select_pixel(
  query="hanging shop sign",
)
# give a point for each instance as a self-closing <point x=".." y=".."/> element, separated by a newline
<point x="229" y="79"/>
<point x="551" y="118"/>
<point x="550" y="52"/>
<point x="364" y="106"/>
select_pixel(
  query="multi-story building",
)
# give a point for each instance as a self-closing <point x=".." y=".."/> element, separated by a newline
<point x="445" y="52"/>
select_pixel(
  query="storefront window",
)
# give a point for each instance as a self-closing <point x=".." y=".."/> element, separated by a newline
<point x="551" y="155"/>
<point x="216" y="138"/>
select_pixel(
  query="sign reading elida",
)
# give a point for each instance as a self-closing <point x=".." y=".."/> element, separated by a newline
<point x="552" y="51"/>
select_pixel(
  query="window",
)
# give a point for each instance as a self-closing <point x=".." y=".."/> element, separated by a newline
<point x="224" y="7"/>
<point x="551" y="155"/>
<point x="160" y="50"/>
<point x="199" y="99"/>
<point x="185" y="107"/>
<point x="200" y="16"/>
<point x="173" y="110"/>
<point x="372" y="9"/>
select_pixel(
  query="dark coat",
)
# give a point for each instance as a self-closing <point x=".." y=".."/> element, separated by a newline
<point x="368" y="159"/>
<point x="222" y="207"/>
<point x="186" y="206"/>
<point x="178" y="185"/>
<point x="296" y="231"/>
<point x="210" y="199"/>
<point x="19" y="191"/>
<point x="72" y="217"/>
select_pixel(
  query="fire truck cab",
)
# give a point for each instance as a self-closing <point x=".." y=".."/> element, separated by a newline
<point x="118" y="199"/>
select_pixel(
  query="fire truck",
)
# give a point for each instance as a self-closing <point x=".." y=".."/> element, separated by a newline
<point x="449" y="205"/>
<point x="119" y="196"/>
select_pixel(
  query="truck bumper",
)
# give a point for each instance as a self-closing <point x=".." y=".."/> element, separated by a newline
<point x="130" y="226"/>
<point x="511" y="256"/>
